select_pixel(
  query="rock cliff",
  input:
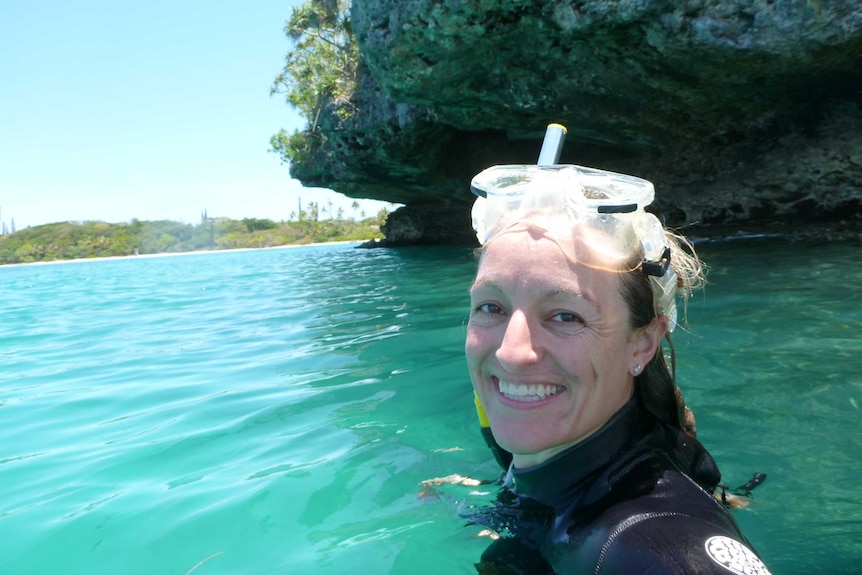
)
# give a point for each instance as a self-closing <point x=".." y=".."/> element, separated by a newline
<point x="744" y="113"/>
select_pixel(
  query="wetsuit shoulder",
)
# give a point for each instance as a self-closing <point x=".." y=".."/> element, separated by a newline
<point x="676" y="544"/>
<point x="677" y="528"/>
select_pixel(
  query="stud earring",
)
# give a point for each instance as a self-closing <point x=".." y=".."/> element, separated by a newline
<point x="637" y="369"/>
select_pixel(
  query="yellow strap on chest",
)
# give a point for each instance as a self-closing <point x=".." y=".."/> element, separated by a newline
<point x="480" y="411"/>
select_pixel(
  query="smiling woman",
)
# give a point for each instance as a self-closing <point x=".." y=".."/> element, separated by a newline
<point x="549" y="345"/>
<point x="573" y="295"/>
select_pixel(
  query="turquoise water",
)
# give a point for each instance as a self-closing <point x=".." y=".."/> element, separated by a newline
<point x="274" y="411"/>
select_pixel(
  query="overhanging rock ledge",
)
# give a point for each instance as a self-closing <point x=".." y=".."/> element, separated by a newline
<point x="744" y="115"/>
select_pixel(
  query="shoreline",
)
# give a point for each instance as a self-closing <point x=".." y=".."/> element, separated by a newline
<point x="172" y="254"/>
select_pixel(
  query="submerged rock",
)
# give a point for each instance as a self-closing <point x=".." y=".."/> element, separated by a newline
<point x="741" y="112"/>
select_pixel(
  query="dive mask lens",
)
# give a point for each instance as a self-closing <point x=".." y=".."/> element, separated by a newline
<point x="512" y="189"/>
<point x="598" y="190"/>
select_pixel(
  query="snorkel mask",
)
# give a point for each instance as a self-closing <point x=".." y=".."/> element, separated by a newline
<point x="606" y="201"/>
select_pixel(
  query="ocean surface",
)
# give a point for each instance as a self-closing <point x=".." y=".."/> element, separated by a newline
<point x="275" y="411"/>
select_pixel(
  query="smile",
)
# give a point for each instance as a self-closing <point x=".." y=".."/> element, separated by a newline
<point x="522" y="392"/>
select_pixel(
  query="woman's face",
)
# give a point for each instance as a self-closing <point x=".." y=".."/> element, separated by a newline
<point x="549" y="347"/>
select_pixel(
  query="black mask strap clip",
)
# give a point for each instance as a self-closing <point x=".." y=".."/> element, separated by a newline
<point x="658" y="268"/>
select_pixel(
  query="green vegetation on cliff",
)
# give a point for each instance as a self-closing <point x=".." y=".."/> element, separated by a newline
<point x="73" y="240"/>
<point x="319" y="72"/>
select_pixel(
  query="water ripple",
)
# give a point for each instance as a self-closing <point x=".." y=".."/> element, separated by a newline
<point x="277" y="409"/>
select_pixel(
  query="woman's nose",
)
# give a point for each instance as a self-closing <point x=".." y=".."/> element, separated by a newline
<point x="520" y="345"/>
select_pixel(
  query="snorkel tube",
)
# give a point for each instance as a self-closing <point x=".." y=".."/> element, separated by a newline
<point x="552" y="145"/>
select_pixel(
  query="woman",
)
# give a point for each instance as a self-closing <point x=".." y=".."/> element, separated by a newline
<point x="573" y="294"/>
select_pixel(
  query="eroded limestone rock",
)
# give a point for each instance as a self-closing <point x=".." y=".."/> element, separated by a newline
<point x="743" y="111"/>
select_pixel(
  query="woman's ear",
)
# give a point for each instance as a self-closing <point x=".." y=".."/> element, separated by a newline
<point x="646" y="342"/>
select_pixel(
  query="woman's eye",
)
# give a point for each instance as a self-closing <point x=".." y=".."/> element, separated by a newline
<point x="491" y="308"/>
<point x="567" y="317"/>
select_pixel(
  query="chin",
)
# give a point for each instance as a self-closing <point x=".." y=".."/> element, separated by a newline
<point x="520" y="441"/>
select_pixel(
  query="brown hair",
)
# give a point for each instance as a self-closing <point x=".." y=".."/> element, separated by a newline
<point x="656" y="385"/>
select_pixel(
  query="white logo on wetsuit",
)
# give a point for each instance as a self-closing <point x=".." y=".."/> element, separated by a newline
<point x="734" y="556"/>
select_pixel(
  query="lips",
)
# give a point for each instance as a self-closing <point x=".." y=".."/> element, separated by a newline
<point x="526" y="393"/>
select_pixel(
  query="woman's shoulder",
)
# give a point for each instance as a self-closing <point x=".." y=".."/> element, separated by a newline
<point x="678" y="543"/>
<point x="676" y="527"/>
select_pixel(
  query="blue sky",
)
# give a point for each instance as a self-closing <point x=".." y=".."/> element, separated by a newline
<point x="151" y="110"/>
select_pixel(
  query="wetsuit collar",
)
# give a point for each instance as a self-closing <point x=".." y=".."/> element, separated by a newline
<point x="545" y="482"/>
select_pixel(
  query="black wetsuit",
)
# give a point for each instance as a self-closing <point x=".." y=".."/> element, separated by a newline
<point x="635" y="497"/>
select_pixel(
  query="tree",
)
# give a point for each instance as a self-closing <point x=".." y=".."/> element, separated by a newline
<point x="313" y="211"/>
<point x="320" y="71"/>
<point x="254" y="224"/>
<point x="382" y="215"/>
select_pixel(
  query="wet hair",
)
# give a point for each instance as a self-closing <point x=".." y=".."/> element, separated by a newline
<point x="656" y="386"/>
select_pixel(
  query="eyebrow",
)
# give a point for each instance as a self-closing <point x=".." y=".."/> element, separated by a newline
<point x="550" y="294"/>
<point x="483" y="282"/>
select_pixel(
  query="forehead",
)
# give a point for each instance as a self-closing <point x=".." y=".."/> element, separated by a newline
<point x="520" y="258"/>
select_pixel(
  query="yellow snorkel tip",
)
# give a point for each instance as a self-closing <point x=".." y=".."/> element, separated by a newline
<point x="552" y="145"/>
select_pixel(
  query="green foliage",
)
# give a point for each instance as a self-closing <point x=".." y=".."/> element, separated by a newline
<point x="297" y="147"/>
<point x="254" y="224"/>
<point x="320" y="71"/>
<point x="69" y="240"/>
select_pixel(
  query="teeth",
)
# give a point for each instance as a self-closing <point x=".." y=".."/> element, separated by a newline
<point x="532" y="392"/>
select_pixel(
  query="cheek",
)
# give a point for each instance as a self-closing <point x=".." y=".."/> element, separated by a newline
<point x="478" y="344"/>
<point x="608" y="362"/>
<point x="612" y="368"/>
<point x="471" y="346"/>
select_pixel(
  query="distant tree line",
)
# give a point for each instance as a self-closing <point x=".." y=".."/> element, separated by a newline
<point x="93" y="239"/>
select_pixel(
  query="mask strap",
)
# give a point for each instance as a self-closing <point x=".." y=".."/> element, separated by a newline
<point x="657" y="268"/>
